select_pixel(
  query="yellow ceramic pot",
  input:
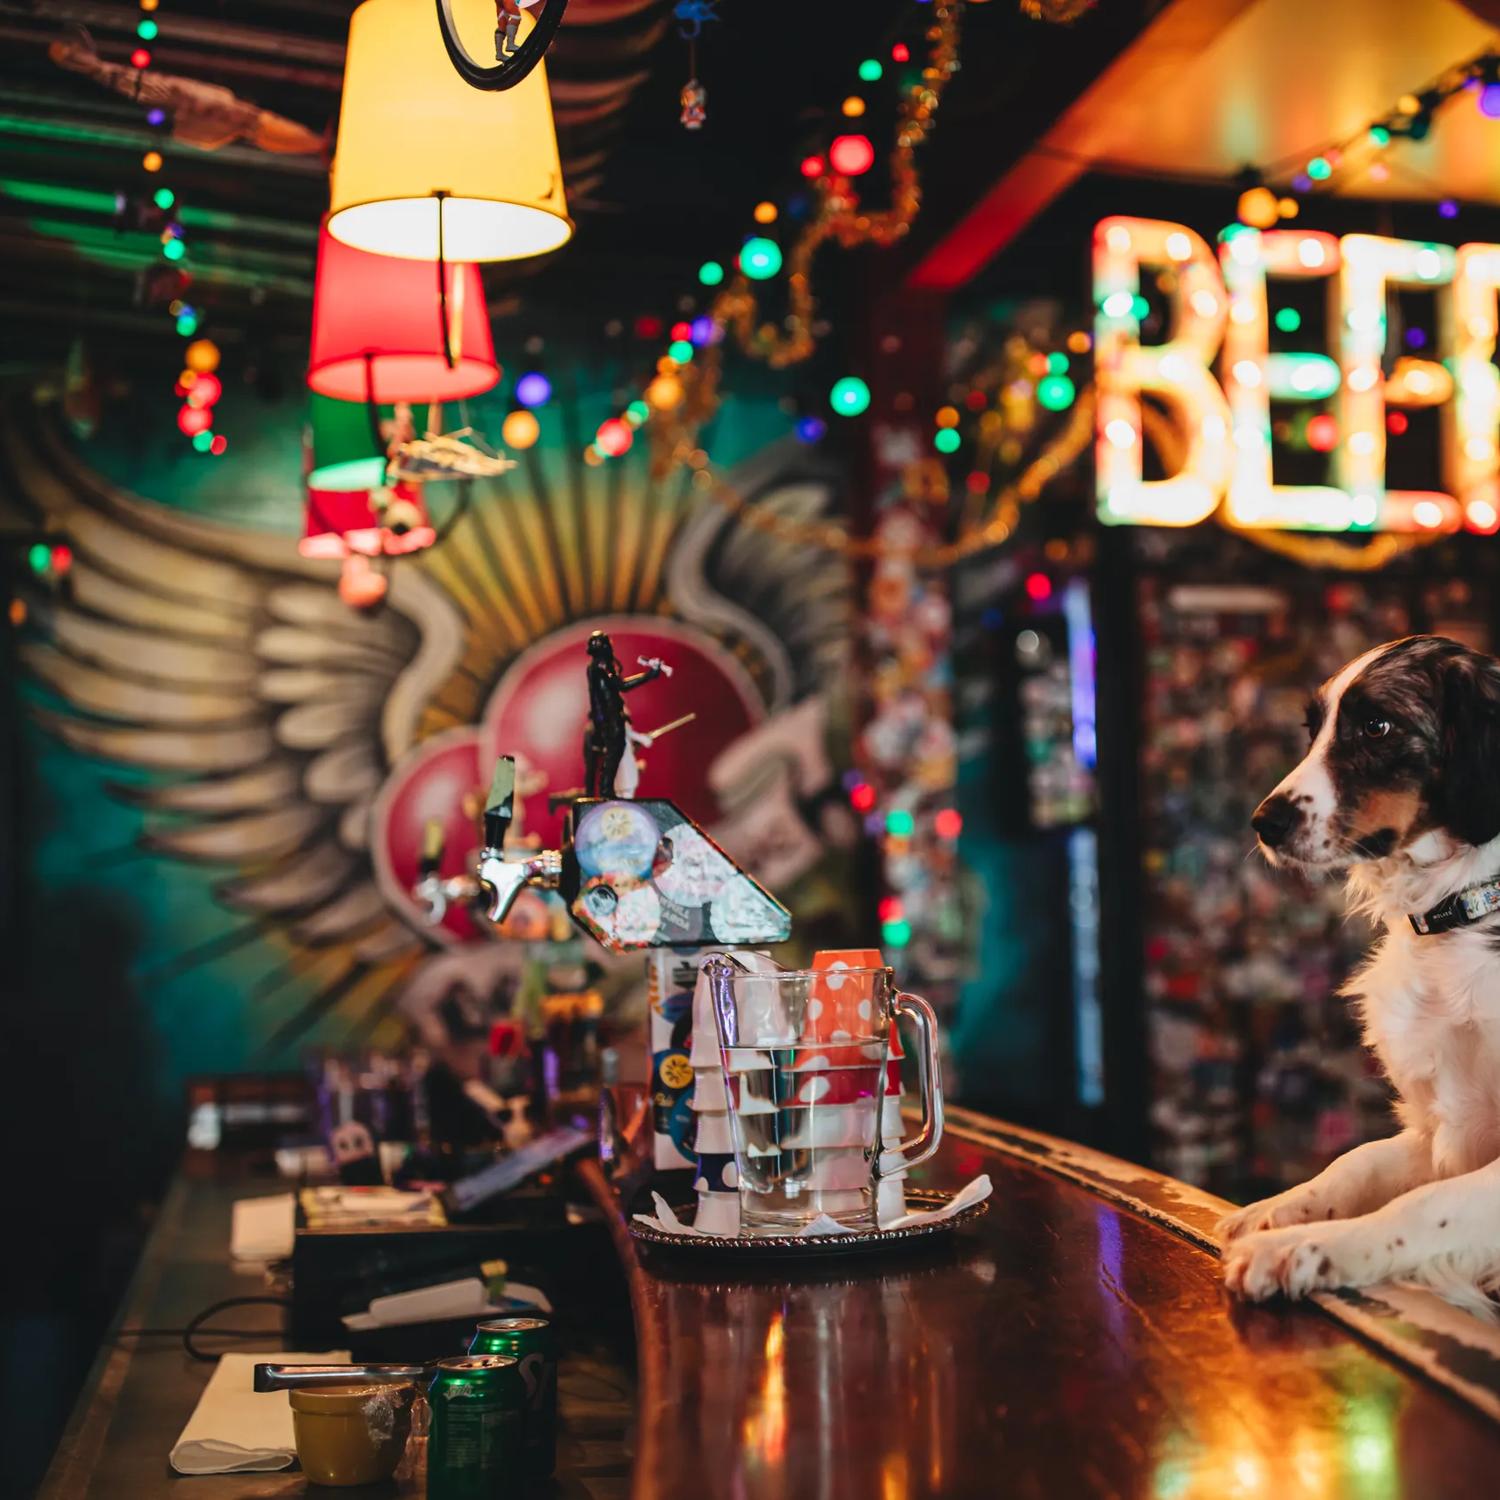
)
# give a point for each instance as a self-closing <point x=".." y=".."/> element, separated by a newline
<point x="351" y="1434"/>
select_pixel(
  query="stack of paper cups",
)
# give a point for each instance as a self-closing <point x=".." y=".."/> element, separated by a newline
<point x="841" y="1008"/>
<point x="891" y="1193"/>
<point x="717" y="1180"/>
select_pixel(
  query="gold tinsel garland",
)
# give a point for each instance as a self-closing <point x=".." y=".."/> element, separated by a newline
<point x="1060" y="454"/>
<point x="1062" y="451"/>
<point x="690" y="395"/>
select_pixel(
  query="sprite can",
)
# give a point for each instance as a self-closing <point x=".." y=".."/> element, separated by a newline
<point x="474" y="1444"/>
<point x="529" y="1341"/>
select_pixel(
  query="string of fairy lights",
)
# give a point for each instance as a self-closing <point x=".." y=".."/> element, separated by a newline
<point x="683" y="393"/>
<point x="198" y="384"/>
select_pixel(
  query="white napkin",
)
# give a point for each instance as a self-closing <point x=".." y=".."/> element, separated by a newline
<point x="971" y="1193"/>
<point x="966" y="1197"/>
<point x="263" y="1228"/>
<point x="237" y="1430"/>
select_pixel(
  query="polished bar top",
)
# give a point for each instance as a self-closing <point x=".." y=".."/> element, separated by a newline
<point x="1075" y="1342"/>
<point x="1067" y="1345"/>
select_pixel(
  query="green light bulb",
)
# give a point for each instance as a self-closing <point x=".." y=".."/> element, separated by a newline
<point x="870" y="70"/>
<point x="710" y="273"/>
<point x="849" y="396"/>
<point x="947" y="440"/>
<point x="1055" y="392"/>
<point x="760" y="258"/>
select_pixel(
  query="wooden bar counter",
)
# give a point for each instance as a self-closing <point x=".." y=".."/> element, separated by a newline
<point x="1074" y="1342"/>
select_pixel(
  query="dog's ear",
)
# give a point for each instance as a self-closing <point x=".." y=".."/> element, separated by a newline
<point x="1468" y="801"/>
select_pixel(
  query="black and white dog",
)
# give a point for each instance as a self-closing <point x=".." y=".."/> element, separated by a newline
<point x="1401" y="789"/>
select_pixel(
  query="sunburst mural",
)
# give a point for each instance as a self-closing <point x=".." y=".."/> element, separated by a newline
<point x="290" y="748"/>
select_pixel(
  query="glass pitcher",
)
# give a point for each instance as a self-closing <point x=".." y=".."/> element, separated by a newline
<point x="807" y="1064"/>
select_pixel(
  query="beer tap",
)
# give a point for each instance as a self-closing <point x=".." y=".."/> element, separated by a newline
<point x="502" y="875"/>
<point x="434" y="891"/>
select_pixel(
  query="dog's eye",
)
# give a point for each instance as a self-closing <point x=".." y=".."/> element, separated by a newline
<point x="1377" y="728"/>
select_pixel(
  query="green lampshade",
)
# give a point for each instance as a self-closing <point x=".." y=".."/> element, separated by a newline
<point x="345" y="456"/>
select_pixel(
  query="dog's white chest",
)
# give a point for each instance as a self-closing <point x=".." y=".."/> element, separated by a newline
<point x="1432" y="1009"/>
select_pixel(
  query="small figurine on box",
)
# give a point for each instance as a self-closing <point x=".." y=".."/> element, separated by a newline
<point x="609" y="736"/>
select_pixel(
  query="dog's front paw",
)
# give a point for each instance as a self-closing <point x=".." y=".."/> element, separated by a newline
<point x="1296" y="1206"/>
<point x="1292" y="1261"/>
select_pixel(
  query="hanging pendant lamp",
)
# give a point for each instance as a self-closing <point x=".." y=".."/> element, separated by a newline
<point x="398" y="330"/>
<point x="427" y="167"/>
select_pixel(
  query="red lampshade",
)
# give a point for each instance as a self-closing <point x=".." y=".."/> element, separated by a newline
<point x="341" y="522"/>
<point x="385" y="313"/>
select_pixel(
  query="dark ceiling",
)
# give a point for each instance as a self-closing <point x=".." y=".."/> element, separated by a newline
<point x="80" y="239"/>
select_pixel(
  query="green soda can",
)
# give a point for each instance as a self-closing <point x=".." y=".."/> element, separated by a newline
<point x="531" y="1341"/>
<point x="475" y="1444"/>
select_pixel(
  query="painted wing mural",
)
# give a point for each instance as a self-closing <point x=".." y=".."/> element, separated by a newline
<point x="293" y="749"/>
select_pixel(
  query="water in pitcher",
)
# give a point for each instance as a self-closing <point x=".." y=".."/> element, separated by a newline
<point x="807" y="1126"/>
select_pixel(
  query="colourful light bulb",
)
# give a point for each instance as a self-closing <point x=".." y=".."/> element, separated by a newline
<point x="760" y="258"/>
<point x="1055" y="392"/>
<point x="614" y="437"/>
<point x="533" y="389"/>
<point x="851" y="155"/>
<point x="710" y="273"/>
<point x="849" y="396"/>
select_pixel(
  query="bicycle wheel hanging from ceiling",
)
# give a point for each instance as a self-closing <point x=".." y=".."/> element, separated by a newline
<point x="509" y="69"/>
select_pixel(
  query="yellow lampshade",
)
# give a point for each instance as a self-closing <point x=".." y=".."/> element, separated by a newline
<point x="416" y="140"/>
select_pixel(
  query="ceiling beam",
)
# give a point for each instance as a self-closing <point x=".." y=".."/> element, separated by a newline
<point x="1170" y="42"/>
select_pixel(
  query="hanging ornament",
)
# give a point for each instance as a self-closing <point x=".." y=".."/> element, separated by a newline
<point x="694" y="105"/>
<point x="383" y="522"/>
<point x="692" y="16"/>
<point x="360" y="586"/>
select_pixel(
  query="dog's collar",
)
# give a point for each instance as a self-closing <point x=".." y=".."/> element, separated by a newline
<point x="1459" y="909"/>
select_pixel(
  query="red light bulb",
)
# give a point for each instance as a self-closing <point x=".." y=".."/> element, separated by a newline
<point x="1322" y="433"/>
<point x="205" y="390"/>
<point x="194" y="419"/>
<point x="851" y="155"/>
<point x="614" y="437"/>
<point x="812" y="166"/>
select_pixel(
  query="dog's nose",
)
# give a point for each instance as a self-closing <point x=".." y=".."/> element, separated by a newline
<point x="1274" y="820"/>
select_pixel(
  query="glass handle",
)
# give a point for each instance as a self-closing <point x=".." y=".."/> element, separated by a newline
<point x="931" y="1134"/>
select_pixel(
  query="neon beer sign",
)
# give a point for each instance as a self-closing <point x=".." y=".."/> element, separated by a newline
<point x="1217" y="314"/>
